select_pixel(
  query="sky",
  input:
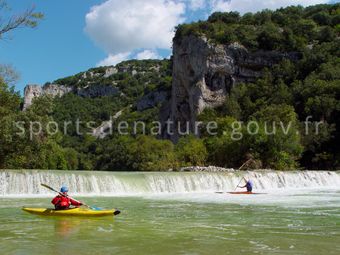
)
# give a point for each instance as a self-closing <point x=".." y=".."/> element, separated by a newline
<point x="80" y="34"/>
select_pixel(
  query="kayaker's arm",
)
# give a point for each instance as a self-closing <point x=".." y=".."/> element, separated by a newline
<point x="75" y="203"/>
<point x="245" y="184"/>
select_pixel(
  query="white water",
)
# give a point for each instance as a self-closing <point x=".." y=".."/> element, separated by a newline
<point x="27" y="182"/>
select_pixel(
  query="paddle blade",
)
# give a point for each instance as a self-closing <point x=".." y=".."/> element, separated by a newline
<point x="95" y="208"/>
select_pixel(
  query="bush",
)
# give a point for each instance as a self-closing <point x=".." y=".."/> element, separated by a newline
<point x="191" y="151"/>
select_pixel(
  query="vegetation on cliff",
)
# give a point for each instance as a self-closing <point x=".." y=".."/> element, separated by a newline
<point x="286" y="29"/>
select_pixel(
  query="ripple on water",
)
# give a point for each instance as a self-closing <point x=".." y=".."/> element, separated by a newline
<point x="188" y="224"/>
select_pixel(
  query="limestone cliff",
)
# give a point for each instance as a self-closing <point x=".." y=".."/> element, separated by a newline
<point x="145" y="82"/>
<point x="33" y="91"/>
<point x="204" y="73"/>
<point x="53" y="90"/>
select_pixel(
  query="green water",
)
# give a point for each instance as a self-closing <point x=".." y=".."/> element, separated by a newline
<point x="303" y="223"/>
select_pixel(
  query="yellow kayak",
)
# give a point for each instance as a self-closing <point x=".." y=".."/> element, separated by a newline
<point x="71" y="212"/>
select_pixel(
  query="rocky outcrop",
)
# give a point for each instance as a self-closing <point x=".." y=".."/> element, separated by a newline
<point x="152" y="99"/>
<point x="34" y="91"/>
<point x="204" y="73"/>
<point x="101" y="81"/>
<point x="53" y="90"/>
<point x="110" y="71"/>
<point x="105" y="128"/>
<point x="97" y="91"/>
<point x="206" y="169"/>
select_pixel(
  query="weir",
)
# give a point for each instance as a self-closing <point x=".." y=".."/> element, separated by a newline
<point x="27" y="182"/>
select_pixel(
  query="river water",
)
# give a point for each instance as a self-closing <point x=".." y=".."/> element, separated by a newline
<point x="174" y="213"/>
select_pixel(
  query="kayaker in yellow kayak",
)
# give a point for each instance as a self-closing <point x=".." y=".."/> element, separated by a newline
<point x="64" y="202"/>
<point x="248" y="185"/>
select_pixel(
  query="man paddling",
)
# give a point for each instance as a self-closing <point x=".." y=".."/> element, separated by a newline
<point x="248" y="185"/>
<point x="63" y="202"/>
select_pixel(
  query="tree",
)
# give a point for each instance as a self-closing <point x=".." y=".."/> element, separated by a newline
<point x="151" y="154"/>
<point x="305" y="28"/>
<point x="8" y="74"/>
<point x="283" y="148"/>
<point x="322" y="18"/>
<point x="191" y="151"/>
<point x="321" y="91"/>
<point x="227" y="17"/>
<point x="327" y="34"/>
<point x="9" y="99"/>
<point x="227" y="148"/>
<point x="270" y="38"/>
<point x="25" y="150"/>
<point x="28" y="18"/>
<point x="143" y="153"/>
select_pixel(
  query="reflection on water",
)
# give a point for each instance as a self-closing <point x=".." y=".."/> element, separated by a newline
<point x="64" y="227"/>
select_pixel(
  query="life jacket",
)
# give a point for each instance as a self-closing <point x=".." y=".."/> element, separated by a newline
<point x="61" y="202"/>
<point x="249" y="186"/>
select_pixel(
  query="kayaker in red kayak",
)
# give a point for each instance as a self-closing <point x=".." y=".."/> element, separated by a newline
<point x="248" y="185"/>
<point x="64" y="202"/>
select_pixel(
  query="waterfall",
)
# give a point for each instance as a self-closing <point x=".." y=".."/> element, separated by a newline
<point x="27" y="182"/>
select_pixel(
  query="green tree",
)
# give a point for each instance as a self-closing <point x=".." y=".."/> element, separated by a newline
<point x="270" y="38"/>
<point x="283" y="148"/>
<point x="191" y="151"/>
<point x="150" y="154"/>
<point x="9" y="99"/>
<point x="8" y="74"/>
<point x="226" y="149"/>
<point x="28" y="18"/>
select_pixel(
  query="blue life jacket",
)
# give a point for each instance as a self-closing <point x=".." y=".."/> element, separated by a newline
<point x="249" y="186"/>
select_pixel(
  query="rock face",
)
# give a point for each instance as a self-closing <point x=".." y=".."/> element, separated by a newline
<point x="105" y="128"/>
<point x="33" y="91"/>
<point x="152" y="100"/>
<point x="204" y="73"/>
<point x="110" y="71"/>
<point x="99" y="82"/>
<point x="53" y="90"/>
<point x="97" y="91"/>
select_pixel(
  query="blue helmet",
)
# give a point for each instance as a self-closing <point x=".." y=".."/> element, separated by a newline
<point x="64" y="189"/>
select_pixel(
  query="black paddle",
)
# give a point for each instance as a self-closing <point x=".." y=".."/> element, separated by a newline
<point x="221" y="192"/>
<point x="61" y="194"/>
<point x="238" y="184"/>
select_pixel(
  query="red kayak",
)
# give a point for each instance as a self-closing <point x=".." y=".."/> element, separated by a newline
<point x="245" y="193"/>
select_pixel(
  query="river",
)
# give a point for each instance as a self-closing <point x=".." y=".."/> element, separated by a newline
<point x="174" y="213"/>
